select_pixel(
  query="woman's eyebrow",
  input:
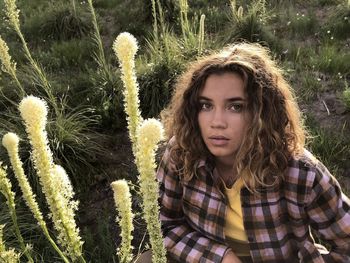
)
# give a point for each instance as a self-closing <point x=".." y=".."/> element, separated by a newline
<point x="228" y="99"/>
<point x="235" y="99"/>
<point x="204" y="98"/>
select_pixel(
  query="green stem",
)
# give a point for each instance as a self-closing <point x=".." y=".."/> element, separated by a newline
<point x="54" y="245"/>
<point x="14" y="76"/>
<point x="11" y="206"/>
<point x="101" y="54"/>
<point x="74" y="8"/>
<point x="163" y="31"/>
<point x="8" y="99"/>
<point x="155" y="23"/>
<point x="46" y="85"/>
<point x="23" y="93"/>
<point x="81" y="259"/>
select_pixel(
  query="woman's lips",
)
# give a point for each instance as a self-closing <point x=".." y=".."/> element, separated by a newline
<point x="218" y="140"/>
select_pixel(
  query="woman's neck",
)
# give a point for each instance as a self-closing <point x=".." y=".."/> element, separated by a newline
<point x="226" y="172"/>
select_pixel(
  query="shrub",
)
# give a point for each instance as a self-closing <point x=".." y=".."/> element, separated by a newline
<point x="155" y="93"/>
<point x="247" y="22"/>
<point x="58" y="22"/>
<point x="72" y="53"/>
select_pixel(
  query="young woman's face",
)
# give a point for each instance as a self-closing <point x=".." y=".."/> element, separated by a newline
<point x="223" y="115"/>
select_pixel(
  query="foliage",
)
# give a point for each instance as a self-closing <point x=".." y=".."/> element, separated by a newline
<point x="58" y="22"/>
<point x="339" y="21"/>
<point x="331" y="59"/>
<point x="104" y="80"/>
<point x="247" y="21"/>
<point x="311" y="85"/>
<point x="103" y="235"/>
<point x="157" y="82"/>
<point x="72" y="128"/>
<point x="329" y="147"/>
<point x="72" y="50"/>
<point x="73" y="53"/>
<point x="301" y="25"/>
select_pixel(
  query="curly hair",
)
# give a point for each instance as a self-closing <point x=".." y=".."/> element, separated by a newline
<point x="274" y="134"/>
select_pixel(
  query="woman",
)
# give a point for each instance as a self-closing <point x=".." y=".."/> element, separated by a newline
<point x="236" y="184"/>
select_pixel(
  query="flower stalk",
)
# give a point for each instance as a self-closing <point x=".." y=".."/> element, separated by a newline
<point x="144" y="138"/>
<point x="122" y="199"/>
<point x="185" y="27"/>
<point x="149" y="134"/>
<point x="125" y="48"/>
<point x="201" y="34"/>
<point x="8" y="66"/>
<point x="12" y="13"/>
<point x="5" y="189"/>
<point x="10" y="141"/>
<point x="100" y="56"/>
<point x="155" y="21"/>
<point x="53" y="179"/>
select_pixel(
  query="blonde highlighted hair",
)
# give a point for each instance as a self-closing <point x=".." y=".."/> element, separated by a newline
<point x="275" y="133"/>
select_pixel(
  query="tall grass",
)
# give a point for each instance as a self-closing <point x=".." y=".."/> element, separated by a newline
<point x="247" y="21"/>
<point x="161" y="36"/>
<point x="331" y="148"/>
<point x="192" y="30"/>
<point x="332" y="59"/>
<point x="104" y="79"/>
<point x="72" y="131"/>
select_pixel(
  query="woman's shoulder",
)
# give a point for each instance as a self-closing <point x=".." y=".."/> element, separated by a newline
<point x="305" y="168"/>
<point x="305" y="173"/>
<point x="305" y="161"/>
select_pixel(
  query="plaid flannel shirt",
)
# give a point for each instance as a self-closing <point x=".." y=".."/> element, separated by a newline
<point x="277" y="221"/>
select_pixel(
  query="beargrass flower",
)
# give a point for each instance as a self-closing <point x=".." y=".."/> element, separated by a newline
<point x="5" y="189"/>
<point x="7" y="255"/>
<point x="125" y="47"/>
<point x="12" y="13"/>
<point x="201" y="34"/>
<point x="10" y="141"/>
<point x="7" y="65"/>
<point x="63" y="183"/>
<point x="34" y="113"/>
<point x="64" y="216"/>
<point x="149" y="134"/>
<point x="122" y="199"/>
<point x="240" y="12"/>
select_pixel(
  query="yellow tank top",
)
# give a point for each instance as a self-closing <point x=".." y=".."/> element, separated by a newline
<point x="234" y="228"/>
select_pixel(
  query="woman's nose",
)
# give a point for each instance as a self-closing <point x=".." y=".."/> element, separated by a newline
<point x="218" y="119"/>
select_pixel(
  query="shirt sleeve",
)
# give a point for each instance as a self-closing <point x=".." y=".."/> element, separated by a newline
<point x="182" y="242"/>
<point x="329" y="212"/>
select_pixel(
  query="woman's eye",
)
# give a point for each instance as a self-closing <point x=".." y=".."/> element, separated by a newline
<point x="205" y="106"/>
<point x="236" y="107"/>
